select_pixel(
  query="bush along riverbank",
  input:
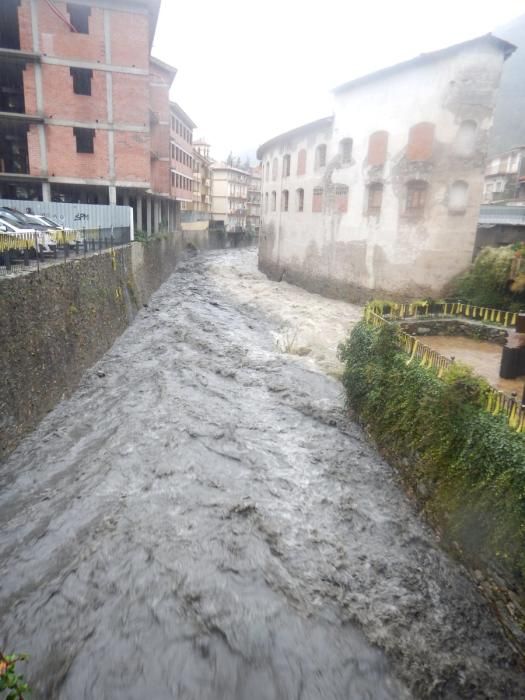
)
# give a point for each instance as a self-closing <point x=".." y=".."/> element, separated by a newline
<point x="465" y="466"/>
<point x="496" y="278"/>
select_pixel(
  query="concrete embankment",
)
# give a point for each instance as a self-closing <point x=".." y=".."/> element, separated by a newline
<point x="57" y="322"/>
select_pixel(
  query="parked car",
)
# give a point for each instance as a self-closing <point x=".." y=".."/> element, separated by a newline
<point x="36" y="236"/>
<point x="59" y="235"/>
<point x="48" y="222"/>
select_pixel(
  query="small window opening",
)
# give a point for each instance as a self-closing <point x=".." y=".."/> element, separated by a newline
<point x="284" y="200"/>
<point x="420" y="142"/>
<point x="85" y="140"/>
<point x="12" y="88"/>
<point x="300" y="199"/>
<point x="9" y="27"/>
<point x="458" y="196"/>
<point x="317" y="200"/>
<point x="416" y="197"/>
<point x="341" y="199"/>
<point x="274" y="201"/>
<point x="375" y="198"/>
<point x="274" y="169"/>
<point x="14" y="155"/>
<point x="81" y="80"/>
<point x="79" y="17"/>
<point x="320" y="156"/>
<point x="377" y="148"/>
<point x="286" y="165"/>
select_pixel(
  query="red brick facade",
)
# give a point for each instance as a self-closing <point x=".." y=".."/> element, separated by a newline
<point x="102" y="81"/>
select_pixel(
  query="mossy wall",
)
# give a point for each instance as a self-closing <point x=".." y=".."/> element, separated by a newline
<point x="56" y="323"/>
<point x="465" y="466"/>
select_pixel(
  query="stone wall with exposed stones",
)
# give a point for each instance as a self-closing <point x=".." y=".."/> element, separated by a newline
<point x="59" y="321"/>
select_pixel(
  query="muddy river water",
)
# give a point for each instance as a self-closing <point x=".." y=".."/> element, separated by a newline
<point x="201" y="520"/>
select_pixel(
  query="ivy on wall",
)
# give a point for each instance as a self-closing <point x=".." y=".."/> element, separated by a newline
<point x="467" y="466"/>
<point x="496" y="279"/>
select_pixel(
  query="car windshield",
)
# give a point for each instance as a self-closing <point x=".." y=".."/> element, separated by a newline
<point x="8" y="215"/>
<point x="49" y="222"/>
<point x="6" y="224"/>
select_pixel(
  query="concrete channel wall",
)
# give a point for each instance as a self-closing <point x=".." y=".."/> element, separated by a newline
<point x="58" y="322"/>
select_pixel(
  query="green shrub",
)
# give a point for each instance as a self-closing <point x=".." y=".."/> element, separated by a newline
<point x="486" y="283"/>
<point x="470" y="464"/>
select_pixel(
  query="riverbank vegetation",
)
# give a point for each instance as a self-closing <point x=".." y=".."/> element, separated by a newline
<point x="495" y="279"/>
<point x="466" y="466"/>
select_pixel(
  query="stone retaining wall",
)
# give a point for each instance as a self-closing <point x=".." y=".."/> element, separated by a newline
<point x="462" y="327"/>
<point x="57" y="322"/>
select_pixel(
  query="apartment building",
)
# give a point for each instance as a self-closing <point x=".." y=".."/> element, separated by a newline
<point x="230" y="196"/>
<point x="383" y="197"/>
<point x="253" y="208"/>
<point x="85" y="114"/>
<point x="505" y="177"/>
<point x="181" y="136"/>
<point x="202" y="177"/>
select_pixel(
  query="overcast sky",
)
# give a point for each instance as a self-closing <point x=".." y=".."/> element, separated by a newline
<point x="249" y="70"/>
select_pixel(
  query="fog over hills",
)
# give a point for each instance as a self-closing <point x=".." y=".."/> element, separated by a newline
<point x="509" y="117"/>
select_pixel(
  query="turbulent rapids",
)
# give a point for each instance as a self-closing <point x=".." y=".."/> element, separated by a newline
<point x="201" y="520"/>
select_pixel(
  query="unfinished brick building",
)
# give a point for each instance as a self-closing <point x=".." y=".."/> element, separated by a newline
<point x="84" y="108"/>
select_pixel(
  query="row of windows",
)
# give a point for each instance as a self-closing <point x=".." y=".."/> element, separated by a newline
<point x="181" y="182"/>
<point x="415" y="198"/>
<point x="420" y="147"/>
<point x="181" y="156"/>
<point x="181" y="130"/>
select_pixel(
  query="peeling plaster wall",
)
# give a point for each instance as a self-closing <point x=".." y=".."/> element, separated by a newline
<point x="354" y="255"/>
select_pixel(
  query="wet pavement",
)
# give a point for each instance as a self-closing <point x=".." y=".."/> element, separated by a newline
<point x="482" y="356"/>
<point x="201" y="520"/>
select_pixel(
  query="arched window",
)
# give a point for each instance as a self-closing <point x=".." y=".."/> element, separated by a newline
<point x="274" y="200"/>
<point x="458" y="197"/>
<point x="267" y="170"/>
<point x="274" y="169"/>
<point x="416" y="197"/>
<point x="466" y="138"/>
<point x="320" y="156"/>
<point x="341" y="199"/>
<point x="286" y="165"/>
<point x="377" y="148"/>
<point x="375" y="198"/>
<point x="299" y="199"/>
<point x="345" y="151"/>
<point x="421" y="142"/>
<point x="266" y="203"/>
<point x="317" y="200"/>
<point x="301" y="162"/>
<point x="284" y="200"/>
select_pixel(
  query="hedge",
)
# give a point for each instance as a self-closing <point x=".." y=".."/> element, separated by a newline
<point x="467" y="465"/>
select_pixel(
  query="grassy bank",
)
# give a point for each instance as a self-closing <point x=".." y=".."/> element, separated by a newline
<point x="466" y="466"/>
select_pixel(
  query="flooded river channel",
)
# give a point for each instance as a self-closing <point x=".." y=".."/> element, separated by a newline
<point x="202" y="521"/>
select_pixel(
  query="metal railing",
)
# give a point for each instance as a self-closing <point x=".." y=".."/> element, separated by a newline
<point x="25" y="252"/>
<point x="446" y="310"/>
<point x="418" y="353"/>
